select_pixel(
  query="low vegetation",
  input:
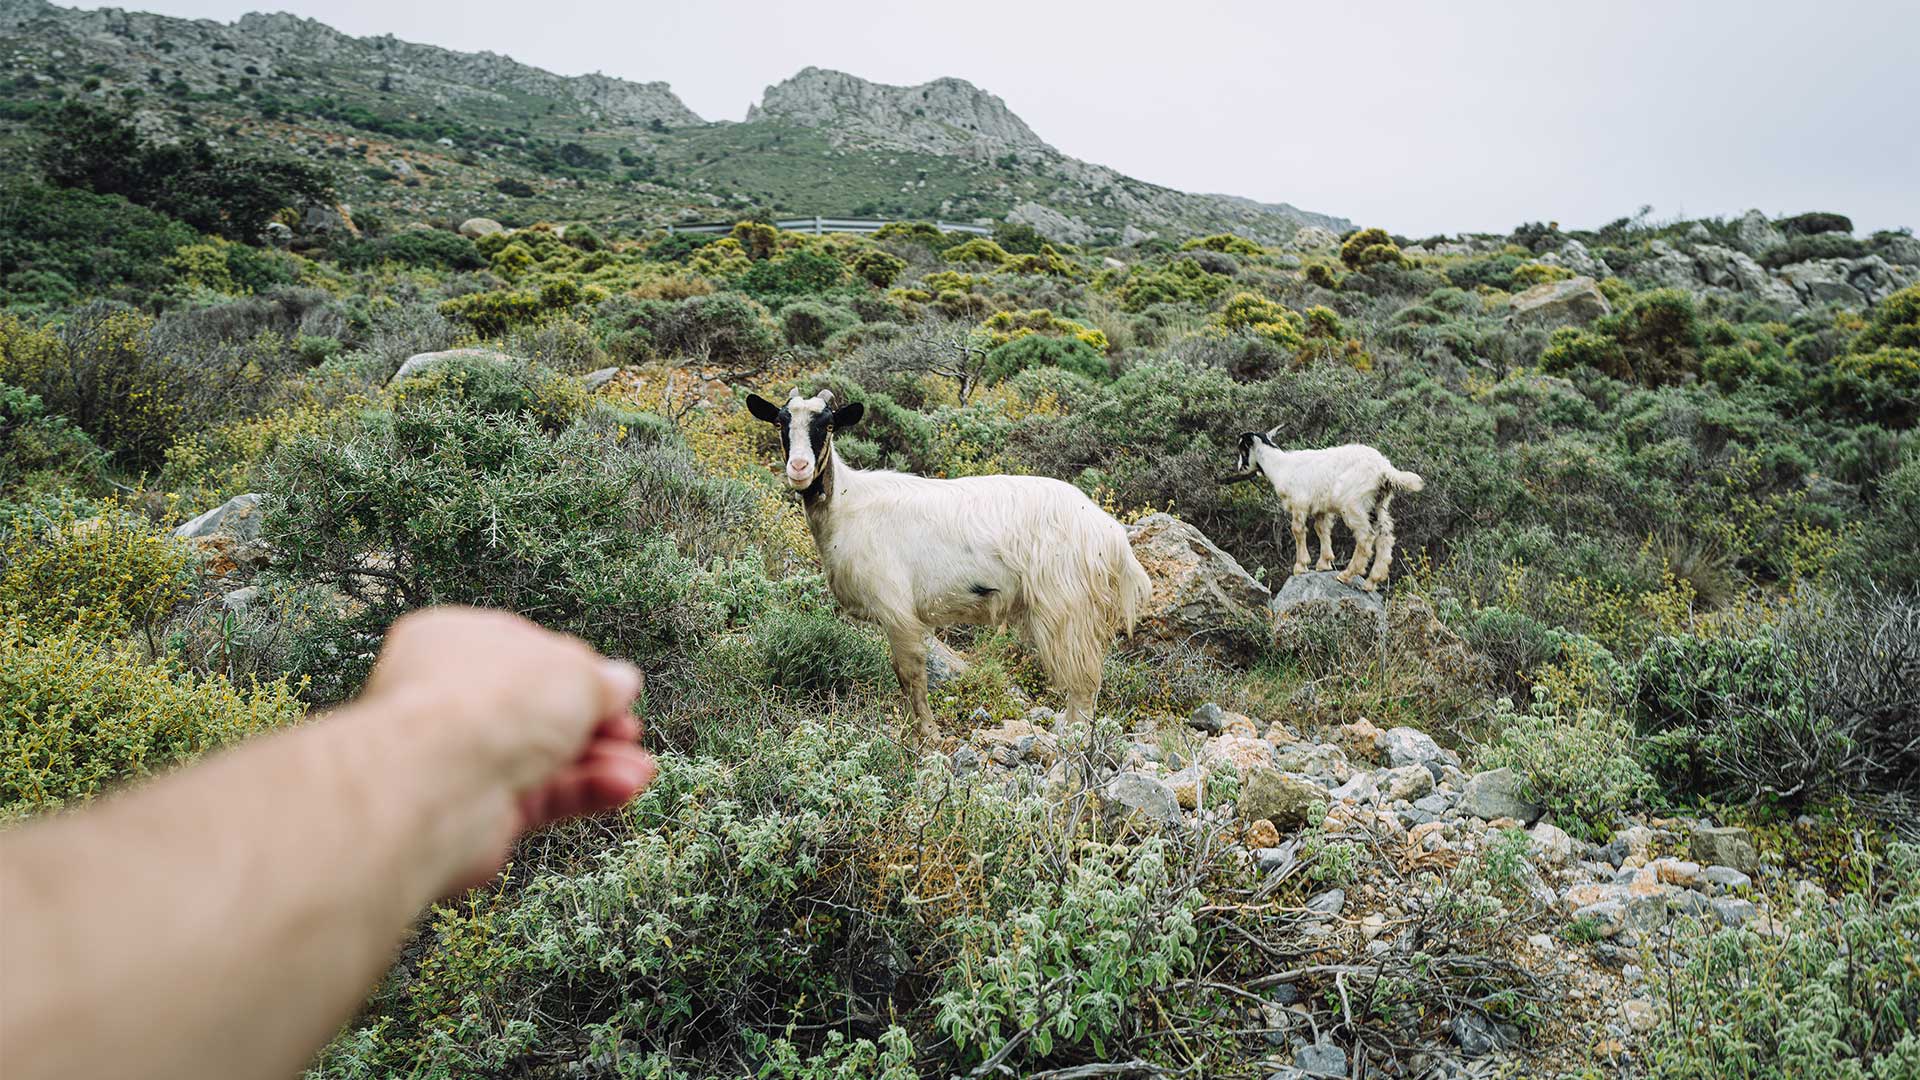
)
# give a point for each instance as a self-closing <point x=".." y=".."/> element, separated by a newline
<point x="1673" y="548"/>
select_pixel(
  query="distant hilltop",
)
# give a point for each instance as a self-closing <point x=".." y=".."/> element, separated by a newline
<point x="426" y="132"/>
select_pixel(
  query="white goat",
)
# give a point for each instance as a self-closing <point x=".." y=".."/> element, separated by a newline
<point x="1354" y="481"/>
<point x="912" y="553"/>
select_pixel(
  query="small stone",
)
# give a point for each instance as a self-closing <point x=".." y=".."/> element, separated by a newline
<point x="1272" y="859"/>
<point x="1359" y="738"/>
<point x="1405" y="746"/>
<point x="1732" y="911"/>
<point x="1607" y="916"/>
<point x="1479" y="1036"/>
<point x="1140" y="795"/>
<point x="1240" y="726"/>
<point x="1208" y="718"/>
<point x="1186" y="785"/>
<point x="1321" y="1059"/>
<point x="1373" y="926"/>
<point x="1549" y="843"/>
<point x="1724" y="846"/>
<point x="1407" y="782"/>
<point x="1262" y="834"/>
<point x="1641" y="1015"/>
<point x="965" y="760"/>
<point x="1359" y="790"/>
<point x="1543" y="942"/>
<point x="1679" y="872"/>
<point x="1435" y="804"/>
<point x="1329" y="902"/>
<point x="1245" y="753"/>
<point x="1726" y="878"/>
<point x="594" y="380"/>
<point x="1282" y="798"/>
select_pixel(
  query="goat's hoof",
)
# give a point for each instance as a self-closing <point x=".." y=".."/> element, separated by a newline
<point x="1343" y="578"/>
<point x="1301" y="569"/>
<point x="1366" y="586"/>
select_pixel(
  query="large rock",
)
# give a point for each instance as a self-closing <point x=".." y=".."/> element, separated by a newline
<point x="238" y="517"/>
<point x="1574" y="256"/>
<point x="1735" y="271"/>
<point x="1902" y="250"/>
<point x="1315" y="238"/>
<point x="420" y="362"/>
<point x="1282" y="798"/>
<point x="228" y="535"/>
<point x="1050" y="223"/>
<point x="1137" y="796"/>
<point x="325" y="220"/>
<point x="1756" y="235"/>
<point x="1322" y="585"/>
<point x="1405" y="746"/>
<point x="1724" y="846"/>
<point x="1573" y="302"/>
<point x="1495" y="794"/>
<point x="1201" y="595"/>
<point x="1666" y="266"/>
<point x="476" y="227"/>
<point x="1824" y="281"/>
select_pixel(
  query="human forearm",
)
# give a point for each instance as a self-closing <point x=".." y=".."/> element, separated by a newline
<point x="244" y="906"/>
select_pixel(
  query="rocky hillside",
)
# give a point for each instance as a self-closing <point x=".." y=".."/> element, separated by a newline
<point x="418" y="132"/>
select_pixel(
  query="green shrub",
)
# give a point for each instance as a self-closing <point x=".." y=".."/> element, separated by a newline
<point x="1581" y="767"/>
<point x="810" y="323"/>
<point x="215" y="191"/>
<point x="1528" y="275"/>
<point x="500" y="387"/>
<point x="1825" y="245"/>
<point x="106" y="577"/>
<point x="81" y="715"/>
<point x="877" y="268"/>
<point x="1037" y="350"/>
<point x="91" y="243"/>
<point x="1834" y="996"/>
<point x="794" y="274"/>
<point x="814" y="650"/>
<point x="1071" y="963"/>
<point x="1226" y="243"/>
<point x="1493" y="273"/>
<point x="1815" y="223"/>
<point x="434" y="249"/>
<point x="1370" y="248"/>
<point x="1892" y="323"/>
<point x="1018" y="238"/>
<point x="42" y="454"/>
<point x="104" y="371"/>
<point x="725" y="328"/>
<point x="977" y="250"/>
<point x="440" y="503"/>
<point x="1180" y="282"/>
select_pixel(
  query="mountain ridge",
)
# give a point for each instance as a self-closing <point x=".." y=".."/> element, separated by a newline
<point x="426" y="132"/>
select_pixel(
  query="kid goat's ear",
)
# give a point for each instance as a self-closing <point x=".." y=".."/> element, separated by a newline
<point x="848" y="415"/>
<point x="762" y="409"/>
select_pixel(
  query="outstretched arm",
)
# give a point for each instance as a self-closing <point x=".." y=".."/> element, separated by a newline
<point x="226" y="919"/>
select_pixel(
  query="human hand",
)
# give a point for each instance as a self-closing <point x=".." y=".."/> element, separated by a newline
<point x="542" y="720"/>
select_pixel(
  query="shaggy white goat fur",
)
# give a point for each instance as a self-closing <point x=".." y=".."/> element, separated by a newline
<point x="1354" y="481"/>
<point x="912" y="553"/>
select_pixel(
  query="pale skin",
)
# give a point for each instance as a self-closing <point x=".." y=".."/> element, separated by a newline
<point x="225" y="920"/>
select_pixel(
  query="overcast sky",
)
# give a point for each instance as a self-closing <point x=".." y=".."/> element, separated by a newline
<point x="1422" y="117"/>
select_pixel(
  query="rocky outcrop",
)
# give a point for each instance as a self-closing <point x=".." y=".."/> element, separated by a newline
<point x="228" y="536"/>
<point x="1573" y="302"/>
<point x="1575" y="257"/>
<point x="1051" y="223"/>
<point x="476" y="227"/>
<point x="1202" y="597"/>
<point x="939" y="117"/>
<point x="420" y="362"/>
<point x="1756" y="235"/>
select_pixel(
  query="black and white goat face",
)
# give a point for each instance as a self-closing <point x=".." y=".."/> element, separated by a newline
<point x="806" y="430"/>
<point x="1247" y="442"/>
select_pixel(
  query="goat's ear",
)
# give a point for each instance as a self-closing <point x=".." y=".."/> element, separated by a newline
<point x="762" y="409"/>
<point x="848" y="415"/>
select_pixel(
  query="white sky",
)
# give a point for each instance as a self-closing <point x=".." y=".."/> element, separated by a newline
<point x="1421" y="117"/>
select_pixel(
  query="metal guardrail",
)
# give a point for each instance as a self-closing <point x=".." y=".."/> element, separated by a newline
<point x="818" y="225"/>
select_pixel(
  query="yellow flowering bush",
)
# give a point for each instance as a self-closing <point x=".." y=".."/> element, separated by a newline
<point x="1004" y="326"/>
<point x="103" y="577"/>
<point x="78" y="715"/>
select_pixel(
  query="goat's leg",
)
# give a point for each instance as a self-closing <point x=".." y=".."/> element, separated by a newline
<point x="1383" y="544"/>
<point x="1362" y="545"/>
<point x="1299" y="542"/>
<point x="909" y="648"/>
<point x="1072" y="646"/>
<point x="1324" y="524"/>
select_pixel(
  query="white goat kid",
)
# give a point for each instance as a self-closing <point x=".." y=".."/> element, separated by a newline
<point x="1354" y="481"/>
<point x="912" y="553"/>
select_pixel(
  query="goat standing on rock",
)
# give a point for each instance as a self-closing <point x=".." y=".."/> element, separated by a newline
<point x="1354" y="481"/>
<point x="912" y="553"/>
